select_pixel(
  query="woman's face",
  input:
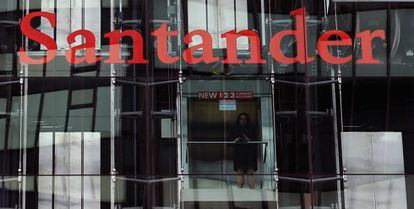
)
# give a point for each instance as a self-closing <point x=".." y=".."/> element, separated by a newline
<point x="243" y="120"/>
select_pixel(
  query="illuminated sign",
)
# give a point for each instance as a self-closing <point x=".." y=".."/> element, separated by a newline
<point x="227" y="105"/>
<point x="225" y="95"/>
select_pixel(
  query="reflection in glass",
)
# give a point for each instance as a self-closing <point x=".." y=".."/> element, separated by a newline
<point x="69" y="191"/>
<point x="402" y="48"/>
<point x="10" y="126"/>
<point x="222" y="192"/>
<point x="376" y="191"/>
<point x="9" y="192"/>
<point x="372" y="20"/>
<point x="87" y="16"/>
<point x="69" y="153"/>
<point x="373" y="152"/>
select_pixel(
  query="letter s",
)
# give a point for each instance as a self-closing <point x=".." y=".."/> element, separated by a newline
<point x="35" y="35"/>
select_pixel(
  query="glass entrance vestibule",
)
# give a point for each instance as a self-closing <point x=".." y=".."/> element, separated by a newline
<point x="213" y="171"/>
<point x="212" y="162"/>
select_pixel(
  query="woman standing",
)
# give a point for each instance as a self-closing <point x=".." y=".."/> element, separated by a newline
<point x="245" y="154"/>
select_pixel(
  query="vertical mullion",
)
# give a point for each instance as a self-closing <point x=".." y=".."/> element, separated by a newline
<point x="235" y="16"/>
<point x="112" y="110"/>
<point x="388" y="40"/>
<point x="353" y="31"/>
<point x="206" y="15"/>
<point x="57" y="25"/>
<point x="82" y="169"/>
<point x="53" y="168"/>
<point x="23" y="72"/>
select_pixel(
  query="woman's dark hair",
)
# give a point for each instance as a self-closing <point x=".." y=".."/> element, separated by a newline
<point x="247" y="117"/>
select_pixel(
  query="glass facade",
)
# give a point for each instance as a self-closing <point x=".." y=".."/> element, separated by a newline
<point x="208" y="135"/>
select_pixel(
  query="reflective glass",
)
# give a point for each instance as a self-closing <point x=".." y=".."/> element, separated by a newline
<point x="207" y="135"/>
<point x="223" y="192"/>
<point x="376" y="191"/>
<point x="10" y="130"/>
<point x="401" y="48"/>
<point x="214" y="110"/>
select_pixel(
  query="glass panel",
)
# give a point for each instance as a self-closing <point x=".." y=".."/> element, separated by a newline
<point x="219" y="17"/>
<point x="166" y="11"/>
<point x="9" y="195"/>
<point x="364" y="104"/>
<point x="293" y="194"/>
<point x="222" y="192"/>
<point x="326" y="195"/>
<point x="66" y="12"/>
<point x="305" y="130"/>
<point x="402" y="54"/>
<point x="205" y="15"/>
<point x="342" y="20"/>
<point x="218" y="139"/>
<point x="136" y="132"/>
<point x="372" y="20"/>
<point x="80" y="97"/>
<point x="377" y="141"/>
<point x="64" y="135"/>
<point x="131" y="192"/>
<point x="10" y="134"/>
<point x="9" y="36"/>
<point x="373" y="152"/>
<point x="69" y="153"/>
<point x="88" y="15"/>
<point x="221" y="140"/>
<point x="287" y="46"/>
<point x="47" y="192"/>
<point x="376" y="191"/>
<point x="315" y="25"/>
<point x="400" y="117"/>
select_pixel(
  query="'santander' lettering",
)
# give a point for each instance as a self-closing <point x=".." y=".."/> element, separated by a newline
<point x="35" y="35"/>
<point x="328" y="39"/>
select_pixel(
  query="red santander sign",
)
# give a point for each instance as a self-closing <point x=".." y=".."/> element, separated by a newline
<point x="327" y="39"/>
<point x="224" y="95"/>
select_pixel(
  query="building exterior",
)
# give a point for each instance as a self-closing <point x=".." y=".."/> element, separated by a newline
<point x="157" y="135"/>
